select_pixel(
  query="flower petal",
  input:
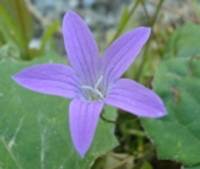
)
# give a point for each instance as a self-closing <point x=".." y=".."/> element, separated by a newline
<point x="121" y="54"/>
<point x="81" y="47"/>
<point x="52" y="79"/>
<point x="136" y="99"/>
<point x="83" y="119"/>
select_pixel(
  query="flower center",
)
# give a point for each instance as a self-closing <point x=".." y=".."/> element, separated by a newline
<point x="93" y="93"/>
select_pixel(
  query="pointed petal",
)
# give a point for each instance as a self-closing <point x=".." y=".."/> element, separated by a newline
<point x="52" y="79"/>
<point x="122" y="53"/>
<point x="81" y="46"/>
<point x="132" y="97"/>
<point x="83" y="119"/>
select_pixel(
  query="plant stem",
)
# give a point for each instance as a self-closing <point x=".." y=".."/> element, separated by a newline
<point x="131" y="12"/>
<point x="138" y="133"/>
<point x="152" y="23"/>
<point x="22" y="25"/>
<point x="157" y="13"/>
<point x="145" y="9"/>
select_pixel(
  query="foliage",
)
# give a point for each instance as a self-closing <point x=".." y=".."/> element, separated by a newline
<point x="33" y="132"/>
<point x="16" y="28"/>
<point x="16" y="24"/>
<point x="197" y="167"/>
<point x="184" y="42"/>
<point x="177" y="80"/>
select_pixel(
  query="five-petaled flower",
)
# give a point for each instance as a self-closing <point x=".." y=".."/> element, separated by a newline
<point x="92" y="81"/>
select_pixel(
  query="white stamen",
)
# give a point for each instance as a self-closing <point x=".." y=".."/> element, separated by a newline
<point x="98" y="82"/>
<point x="94" y="91"/>
<point x="87" y="88"/>
<point x="99" y="93"/>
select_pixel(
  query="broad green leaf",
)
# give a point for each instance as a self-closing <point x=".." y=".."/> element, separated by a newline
<point x="177" y="136"/>
<point x="184" y="42"/>
<point x="34" y="129"/>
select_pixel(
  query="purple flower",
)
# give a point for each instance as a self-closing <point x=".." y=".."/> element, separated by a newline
<point x="92" y="81"/>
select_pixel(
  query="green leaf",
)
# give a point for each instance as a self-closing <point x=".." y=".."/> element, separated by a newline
<point x="34" y="128"/>
<point x="177" y="136"/>
<point x="184" y="42"/>
<point x="196" y="167"/>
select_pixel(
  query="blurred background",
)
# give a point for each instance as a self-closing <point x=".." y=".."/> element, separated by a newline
<point x="32" y="29"/>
